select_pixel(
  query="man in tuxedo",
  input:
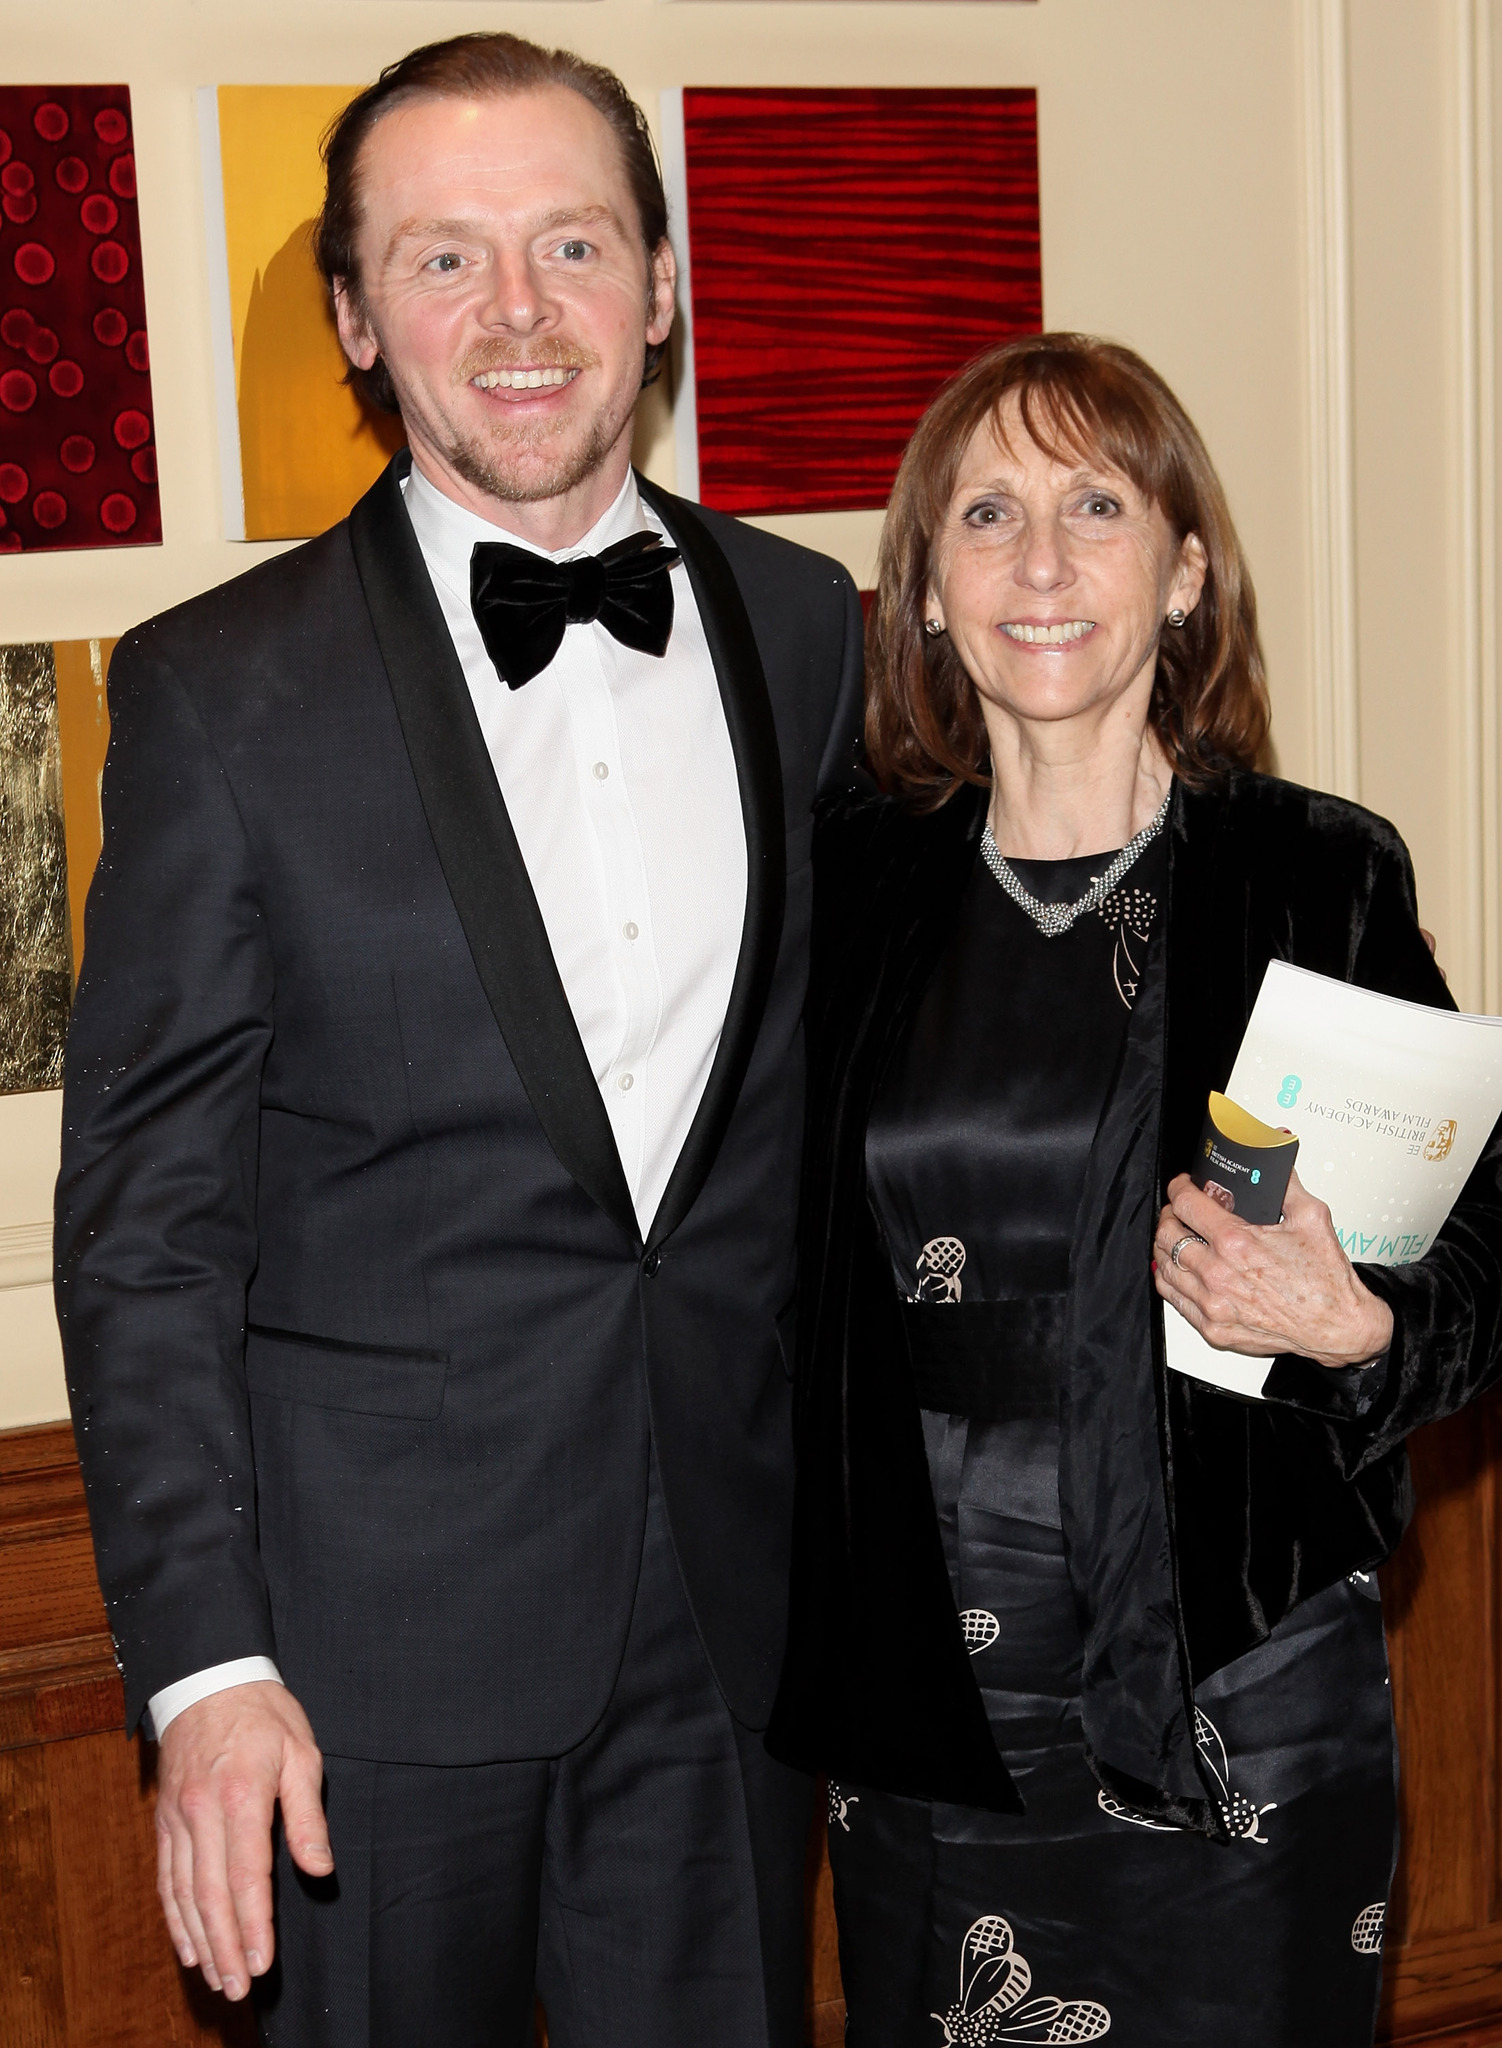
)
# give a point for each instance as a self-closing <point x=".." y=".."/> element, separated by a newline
<point x="433" y="1108"/>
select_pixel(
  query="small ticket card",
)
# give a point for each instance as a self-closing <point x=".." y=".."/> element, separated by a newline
<point x="1243" y="1163"/>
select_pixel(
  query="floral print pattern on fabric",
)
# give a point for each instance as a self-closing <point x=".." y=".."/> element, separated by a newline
<point x="980" y="1629"/>
<point x="940" y="1264"/>
<point x="840" y="1804"/>
<point x="1242" y="1815"/>
<point x="1366" y="1933"/>
<point x="994" y="1979"/>
<point x="1132" y="912"/>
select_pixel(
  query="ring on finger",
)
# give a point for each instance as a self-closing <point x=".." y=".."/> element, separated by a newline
<point x="1189" y="1237"/>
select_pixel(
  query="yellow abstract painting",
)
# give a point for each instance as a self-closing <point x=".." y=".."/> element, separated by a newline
<point x="307" y="447"/>
<point x="83" y="724"/>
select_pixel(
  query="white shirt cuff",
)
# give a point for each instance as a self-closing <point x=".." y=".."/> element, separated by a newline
<point x="165" y="1706"/>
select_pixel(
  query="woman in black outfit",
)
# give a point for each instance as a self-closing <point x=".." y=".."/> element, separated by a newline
<point x="1092" y="1653"/>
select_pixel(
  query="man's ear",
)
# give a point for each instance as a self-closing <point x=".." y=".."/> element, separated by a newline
<point x="355" y="337"/>
<point x="661" y="287"/>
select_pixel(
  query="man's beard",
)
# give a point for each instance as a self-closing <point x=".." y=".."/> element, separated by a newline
<point x="479" y="465"/>
<point x="482" y="460"/>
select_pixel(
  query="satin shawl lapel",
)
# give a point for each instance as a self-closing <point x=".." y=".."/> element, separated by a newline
<point x="477" y="848"/>
<point x="1136" y="1705"/>
<point x="758" y="767"/>
<point x="1213" y="955"/>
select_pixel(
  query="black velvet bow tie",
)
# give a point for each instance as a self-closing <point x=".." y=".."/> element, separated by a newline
<point x="522" y="602"/>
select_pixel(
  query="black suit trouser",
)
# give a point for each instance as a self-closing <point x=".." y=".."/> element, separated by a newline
<point x="647" y="1885"/>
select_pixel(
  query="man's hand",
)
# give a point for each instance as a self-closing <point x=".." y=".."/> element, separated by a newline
<point x="1271" y="1287"/>
<point x="223" y="1765"/>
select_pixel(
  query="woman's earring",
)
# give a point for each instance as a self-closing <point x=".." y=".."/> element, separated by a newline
<point x="1176" y="617"/>
<point x="934" y="628"/>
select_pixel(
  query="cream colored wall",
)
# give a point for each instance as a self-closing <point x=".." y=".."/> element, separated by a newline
<point x="1173" y="141"/>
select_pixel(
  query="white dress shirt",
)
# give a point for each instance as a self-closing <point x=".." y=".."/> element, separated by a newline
<point x="620" y="782"/>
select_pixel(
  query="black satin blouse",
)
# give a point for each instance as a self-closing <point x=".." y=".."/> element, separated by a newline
<point x="981" y="1131"/>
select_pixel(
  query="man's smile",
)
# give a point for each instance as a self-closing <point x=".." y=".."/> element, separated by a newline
<point x="523" y="379"/>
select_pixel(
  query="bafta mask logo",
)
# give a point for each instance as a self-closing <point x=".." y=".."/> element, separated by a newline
<point x="1441" y="1139"/>
<point x="940" y="1264"/>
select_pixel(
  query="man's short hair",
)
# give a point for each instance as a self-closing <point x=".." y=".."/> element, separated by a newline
<point x="474" y="67"/>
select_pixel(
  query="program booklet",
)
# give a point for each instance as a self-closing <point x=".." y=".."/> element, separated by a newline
<point x="1391" y="1104"/>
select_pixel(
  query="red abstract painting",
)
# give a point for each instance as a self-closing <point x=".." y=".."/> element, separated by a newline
<point x="849" y="250"/>
<point x="77" y="450"/>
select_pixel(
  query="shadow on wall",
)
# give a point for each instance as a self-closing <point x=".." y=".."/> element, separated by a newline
<point x="309" y="447"/>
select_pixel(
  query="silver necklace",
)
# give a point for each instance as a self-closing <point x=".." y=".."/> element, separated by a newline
<point x="1053" y="919"/>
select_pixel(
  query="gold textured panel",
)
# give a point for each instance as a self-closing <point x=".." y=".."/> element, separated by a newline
<point x="35" y="967"/>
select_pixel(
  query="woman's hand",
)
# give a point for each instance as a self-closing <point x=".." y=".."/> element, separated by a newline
<point x="1270" y="1287"/>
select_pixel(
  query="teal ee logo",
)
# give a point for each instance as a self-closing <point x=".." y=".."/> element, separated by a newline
<point x="1288" y="1094"/>
<point x="1256" y="1175"/>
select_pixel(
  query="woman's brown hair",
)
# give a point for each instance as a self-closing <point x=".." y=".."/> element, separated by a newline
<point x="1076" y="396"/>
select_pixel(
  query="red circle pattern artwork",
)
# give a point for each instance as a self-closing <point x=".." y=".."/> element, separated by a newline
<point x="35" y="263"/>
<point x="109" y="263"/>
<point x="75" y="384"/>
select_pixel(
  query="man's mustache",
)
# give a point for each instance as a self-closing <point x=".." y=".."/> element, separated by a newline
<point x="547" y="353"/>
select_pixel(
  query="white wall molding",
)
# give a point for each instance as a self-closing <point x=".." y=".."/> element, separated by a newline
<point x="1332" y="519"/>
<point x="1475" y="172"/>
<point x="25" y="1254"/>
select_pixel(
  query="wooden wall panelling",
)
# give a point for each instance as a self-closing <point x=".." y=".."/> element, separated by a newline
<point x="1442" y="1596"/>
<point x="84" y="1959"/>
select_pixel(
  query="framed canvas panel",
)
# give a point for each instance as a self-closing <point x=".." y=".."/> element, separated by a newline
<point x="36" y="980"/>
<point x="54" y="729"/>
<point x="297" y="447"/>
<point x="77" y="441"/>
<point x="842" y="252"/>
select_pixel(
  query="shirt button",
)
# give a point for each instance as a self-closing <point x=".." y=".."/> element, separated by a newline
<point x="629" y="930"/>
<point x="624" y="1083"/>
<point x="601" y="771"/>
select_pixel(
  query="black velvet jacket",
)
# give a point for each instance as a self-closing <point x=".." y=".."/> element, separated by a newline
<point x="1193" y="1520"/>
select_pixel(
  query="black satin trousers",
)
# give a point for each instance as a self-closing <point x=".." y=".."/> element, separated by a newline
<point x="1078" y="1920"/>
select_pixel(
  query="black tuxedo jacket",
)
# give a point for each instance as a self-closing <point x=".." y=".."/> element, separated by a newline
<point x="363" y="1342"/>
<point x="1193" y="1520"/>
